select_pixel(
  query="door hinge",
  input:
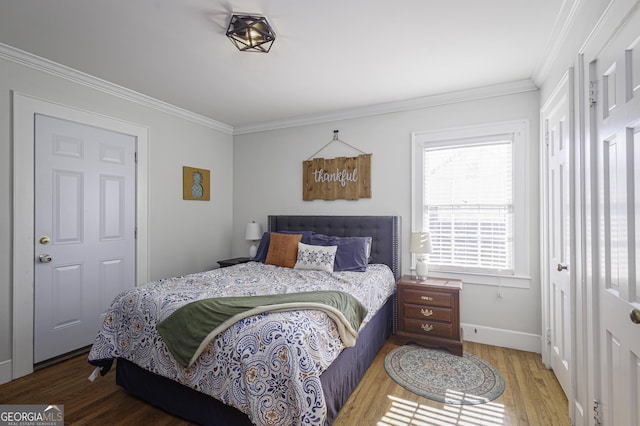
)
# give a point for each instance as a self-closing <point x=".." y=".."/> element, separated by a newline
<point x="597" y="420"/>
<point x="135" y="233"/>
<point x="548" y="335"/>
<point x="135" y="157"/>
<point x="593" y="93"/>
<point x="546" y="138"/>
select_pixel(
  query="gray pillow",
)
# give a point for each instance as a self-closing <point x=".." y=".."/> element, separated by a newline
<point x="352" y="253"/>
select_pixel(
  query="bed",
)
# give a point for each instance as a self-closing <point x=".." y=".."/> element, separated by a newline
<point x="327" y="393"/>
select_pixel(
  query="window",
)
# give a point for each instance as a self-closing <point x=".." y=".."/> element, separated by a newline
<point x="468" y="205"/>
<point x="463" y="194"/>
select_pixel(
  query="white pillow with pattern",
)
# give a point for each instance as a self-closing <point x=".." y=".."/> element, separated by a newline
<point x="317" y="258"/>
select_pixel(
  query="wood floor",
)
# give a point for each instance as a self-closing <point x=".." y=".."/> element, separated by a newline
<point x="532" y="396"/>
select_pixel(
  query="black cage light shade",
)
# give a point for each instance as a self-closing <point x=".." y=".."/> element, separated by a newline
<point x="250" y="33"/>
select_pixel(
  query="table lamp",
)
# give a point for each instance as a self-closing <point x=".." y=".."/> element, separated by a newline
<point x="421" y="245"/>
<point x="253" y="233"/>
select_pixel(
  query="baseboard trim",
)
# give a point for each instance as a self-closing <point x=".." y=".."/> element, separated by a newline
<point x="501" y="337"/>
<point x="5" y="371"/>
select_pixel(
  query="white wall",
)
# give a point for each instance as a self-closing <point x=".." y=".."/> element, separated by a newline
<point x="184" y="236"/>
<point x="268" y="180"/>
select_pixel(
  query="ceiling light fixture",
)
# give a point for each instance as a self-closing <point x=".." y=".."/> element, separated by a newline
<point x="250" y="33"/>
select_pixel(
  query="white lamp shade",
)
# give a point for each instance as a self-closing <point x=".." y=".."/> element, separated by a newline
<point x="253" y="231"/>
<point x="420" y="243"/>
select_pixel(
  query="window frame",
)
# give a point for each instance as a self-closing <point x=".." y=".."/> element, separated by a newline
<point x="519" y="133"/>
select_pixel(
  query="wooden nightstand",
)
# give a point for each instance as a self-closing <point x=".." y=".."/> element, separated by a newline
<point x="234" y="261"/>
<point x="429" y="313"/>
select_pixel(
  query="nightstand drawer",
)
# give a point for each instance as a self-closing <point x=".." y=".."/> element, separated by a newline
<point x="431" y="298"/>
<point x="427" y="328"/>
<point x="421" y="312"/>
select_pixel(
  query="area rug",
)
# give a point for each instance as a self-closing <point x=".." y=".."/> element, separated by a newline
<point x="436" y="374"/>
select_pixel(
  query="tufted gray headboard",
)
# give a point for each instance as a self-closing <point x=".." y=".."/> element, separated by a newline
<point x="385" y="232"/>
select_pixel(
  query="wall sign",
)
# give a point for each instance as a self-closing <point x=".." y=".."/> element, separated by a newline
<point x="346" y="178"/>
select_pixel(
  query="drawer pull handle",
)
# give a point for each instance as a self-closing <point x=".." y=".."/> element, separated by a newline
<point x="426" y="312"/>
<point x="427" y="298"/>
<point x="426" y="327"/>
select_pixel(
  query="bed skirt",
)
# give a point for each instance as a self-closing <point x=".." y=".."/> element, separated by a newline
<point x="338" y="381"/>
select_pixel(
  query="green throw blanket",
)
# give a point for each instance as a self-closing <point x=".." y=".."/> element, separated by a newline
<point x="189" y="330"/>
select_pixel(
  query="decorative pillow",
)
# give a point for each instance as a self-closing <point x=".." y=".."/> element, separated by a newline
<point x="351" y="254"/>
<point x="368" y="241"/>
<point x="283" y="249"/>
<point x="263" y="247"/>
<point x="317" y="258"/>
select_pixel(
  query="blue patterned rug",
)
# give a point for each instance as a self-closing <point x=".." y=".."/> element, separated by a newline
<point x="438" y="375"/>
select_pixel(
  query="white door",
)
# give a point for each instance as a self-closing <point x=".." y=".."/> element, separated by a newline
<point x="616" y="113"/>
<point x="557" y="128"/>
<point x="84" y="230"/>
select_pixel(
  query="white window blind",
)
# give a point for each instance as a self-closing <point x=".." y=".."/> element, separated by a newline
<point x="468" y="205"/>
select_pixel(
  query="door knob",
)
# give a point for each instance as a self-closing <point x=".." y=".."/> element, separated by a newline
<point x="44" y="258"/>
<point x="562" y="267"/>
<point x="635" y="316"/>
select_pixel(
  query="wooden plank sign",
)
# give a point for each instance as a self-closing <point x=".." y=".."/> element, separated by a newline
<point x="347" y="178"/>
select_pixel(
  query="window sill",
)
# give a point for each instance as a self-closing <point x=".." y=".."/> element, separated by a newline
<point x="514" y="281"/>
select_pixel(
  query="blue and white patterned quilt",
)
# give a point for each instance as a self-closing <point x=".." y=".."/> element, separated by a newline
<point x="267" y="366"/>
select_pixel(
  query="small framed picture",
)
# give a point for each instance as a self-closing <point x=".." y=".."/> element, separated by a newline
<point x="195" y="184"/>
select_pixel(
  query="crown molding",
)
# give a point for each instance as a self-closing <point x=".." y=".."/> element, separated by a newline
<point x="41" y="64"/>
<point x="561" y="30"/>
<point x="510" y="88"/>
